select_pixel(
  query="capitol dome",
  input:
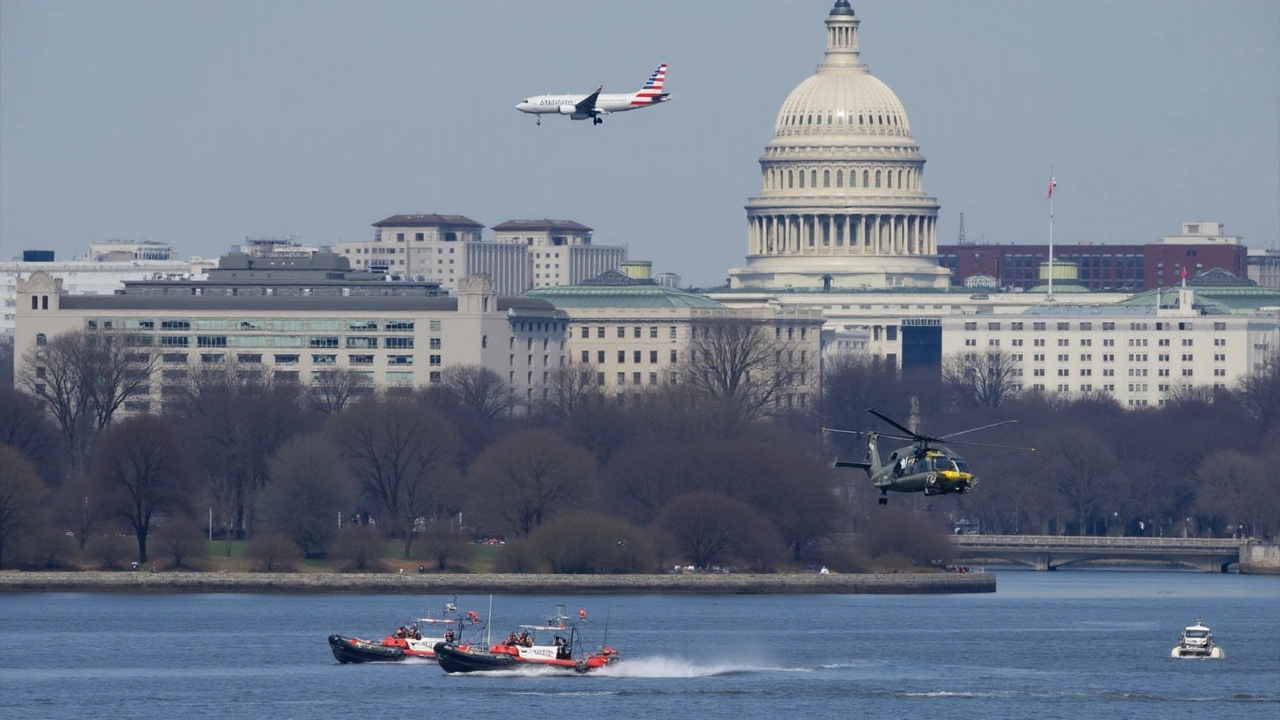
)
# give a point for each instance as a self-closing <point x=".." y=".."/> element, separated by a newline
<point x="842" y="205"/>
<point x="842" y="104"/>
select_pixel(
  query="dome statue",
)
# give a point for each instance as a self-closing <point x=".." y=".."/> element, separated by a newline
<point x="842" y="205"/>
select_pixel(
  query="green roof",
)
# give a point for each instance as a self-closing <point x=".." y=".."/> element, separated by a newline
<point x="620" y="296"/>
<point x="1227" y="299"/>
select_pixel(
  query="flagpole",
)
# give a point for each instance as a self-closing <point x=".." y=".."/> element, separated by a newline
<point x="1051" y="184"/>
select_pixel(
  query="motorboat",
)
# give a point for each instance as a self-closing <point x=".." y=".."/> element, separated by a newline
<point x="1197" y="642"/>
<point x="415" y="639"/>
<point x="554" y="644"/>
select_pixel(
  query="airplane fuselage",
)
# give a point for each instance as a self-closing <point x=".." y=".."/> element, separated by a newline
<point x="605" y="104"/>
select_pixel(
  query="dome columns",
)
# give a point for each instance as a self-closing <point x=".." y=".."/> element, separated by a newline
<point x="793" y="234"/>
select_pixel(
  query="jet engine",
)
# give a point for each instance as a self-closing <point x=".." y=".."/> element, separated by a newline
<point x="568" y="109"/>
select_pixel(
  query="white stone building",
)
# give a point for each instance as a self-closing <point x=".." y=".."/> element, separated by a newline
<point x="446" y="248"/>
<point x="395" y="341"/>
<point x="1137" y="353"/>
<point x="636" y="334"/>
<point x="86" y="277"/>
<point x="842" y="204"/>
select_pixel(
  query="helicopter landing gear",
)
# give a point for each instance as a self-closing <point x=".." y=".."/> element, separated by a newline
<point x="884" y="498"/>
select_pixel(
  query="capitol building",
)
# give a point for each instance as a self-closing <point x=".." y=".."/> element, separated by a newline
<point x="842" y="204"/>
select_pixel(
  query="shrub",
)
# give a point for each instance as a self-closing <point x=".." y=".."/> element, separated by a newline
<point x="361" y="546"/>
<point x="519" y="556"/>
<point x="898" y="530"/>
<point x="111" y="552"/>
<point x="593" y="543"/>
<point x="182" y="541"/>
<point x="273" y="552"/>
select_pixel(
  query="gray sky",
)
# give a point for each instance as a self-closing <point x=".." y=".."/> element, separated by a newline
<point x="200" y="123"/>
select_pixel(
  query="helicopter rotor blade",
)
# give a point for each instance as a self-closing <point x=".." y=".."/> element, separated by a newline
<point x="846" y="432"/>
<point x="984" y="427"/>
<point x="988" y="445"/>
<point x="913" y="435"/>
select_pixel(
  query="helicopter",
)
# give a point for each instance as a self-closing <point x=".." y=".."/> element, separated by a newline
<point x="920" y="467"/>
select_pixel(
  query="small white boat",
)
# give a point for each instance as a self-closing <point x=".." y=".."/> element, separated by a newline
<point x="1197" y="642"/>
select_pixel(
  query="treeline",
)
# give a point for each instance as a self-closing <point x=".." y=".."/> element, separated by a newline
<point x="679" y="475"/>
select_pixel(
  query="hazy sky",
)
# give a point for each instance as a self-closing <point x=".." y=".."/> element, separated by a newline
<point x="200" y="123"/>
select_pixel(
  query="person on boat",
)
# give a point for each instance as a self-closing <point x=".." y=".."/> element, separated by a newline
<point x="448" y="636"/>
<point x="525" y="640"/>
<point x="400" y="632"/>
<point x="415" y="632"/>
<point x="511" y="640"/>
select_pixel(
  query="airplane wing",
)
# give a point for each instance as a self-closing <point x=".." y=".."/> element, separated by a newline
<point x="588" y="104"/>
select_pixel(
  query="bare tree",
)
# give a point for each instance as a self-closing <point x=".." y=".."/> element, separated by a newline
<point x="233" y="419"/>
<point x="332" y="391"/>
<point x="141" y="473"/>
<point x="76" y="508"/>
<point x="85" y="377"/>
<point x="21" y="498"/>
<point x="403" y="455"/>
<point x="6" y="361"/>
<point x="480" y="389"/>
<point x="743" y="363"/>
<point x="25" y="425"/>
<point x="710" y="527"/>
<point x="1259" y="392"/>
<point x="980" y="379"/>
<point x="572" y="388"/>
<point x="520" y="481"/>
<point x="309" y="487"/>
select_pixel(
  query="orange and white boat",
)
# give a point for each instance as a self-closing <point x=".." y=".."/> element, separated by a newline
<point x="415" y="639"/>
<point x="555" y="644"/>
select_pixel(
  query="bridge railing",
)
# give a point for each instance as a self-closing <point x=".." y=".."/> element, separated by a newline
<point x="1057" y="541"/>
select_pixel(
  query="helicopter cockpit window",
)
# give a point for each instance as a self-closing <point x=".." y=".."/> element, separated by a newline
<point x="942" y="463"/>
<point x="961" y="466"/>
<point x="921" y="465"/>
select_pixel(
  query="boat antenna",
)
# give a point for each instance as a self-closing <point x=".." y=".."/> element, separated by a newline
<point x="488" y="625"/>
<point x="607" y="612"/>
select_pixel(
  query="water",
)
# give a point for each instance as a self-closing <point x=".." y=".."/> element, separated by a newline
<point x="1067" y="644"/>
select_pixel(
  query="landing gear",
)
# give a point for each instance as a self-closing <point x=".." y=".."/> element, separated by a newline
<point x="596" y="120"/>
<point x="539" y="120"/>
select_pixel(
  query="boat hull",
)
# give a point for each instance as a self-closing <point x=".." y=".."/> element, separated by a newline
<point x="353" y="650"/>
<point x="1213" y="653"/>
<point x="454" y="658"/>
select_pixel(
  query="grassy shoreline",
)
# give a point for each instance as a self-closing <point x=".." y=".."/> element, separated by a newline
<point x="507" y="584"/>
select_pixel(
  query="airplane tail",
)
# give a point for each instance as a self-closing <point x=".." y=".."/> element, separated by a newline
<point x="652" y="92"/>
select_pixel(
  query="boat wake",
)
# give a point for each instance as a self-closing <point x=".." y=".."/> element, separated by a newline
<point x="654" y="667"/>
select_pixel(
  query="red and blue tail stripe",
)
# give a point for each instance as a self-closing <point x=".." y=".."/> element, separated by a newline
<point x="652" y="90"/>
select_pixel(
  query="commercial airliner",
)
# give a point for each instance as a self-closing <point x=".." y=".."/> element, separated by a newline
<point x="581" y="107"/>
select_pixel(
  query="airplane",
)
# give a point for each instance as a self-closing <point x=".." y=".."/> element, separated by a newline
<point x="920" y="467"/>
<point x="581" y="107"/>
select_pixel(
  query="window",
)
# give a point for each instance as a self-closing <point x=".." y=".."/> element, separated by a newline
<point x="653" y="332"/>
<point x="622" y="332"/>
<point x="1037" y="326"/>
<point x="586" y="356"/>
<point x="622" y="357"/>
<point x="636" y="334"/>
<point x="635" y="357"/>
<point x="433" y="342"/>
<point x="360" y="359"/>
<point x="653" y="357"/>
<point x="399" y="359"/>
<point x="324" y="359"/>
<point x="435" y="360"/>
<point x="673" y="356"/>
<point x="622" y="378"/>
<point x="398" y="343"/>
<point x="600" y="356"/>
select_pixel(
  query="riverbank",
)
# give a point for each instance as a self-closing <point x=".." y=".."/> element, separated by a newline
<point x="504" y="584"/>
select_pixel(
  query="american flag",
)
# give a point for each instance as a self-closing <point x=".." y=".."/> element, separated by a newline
<point x="1053" y="183"/>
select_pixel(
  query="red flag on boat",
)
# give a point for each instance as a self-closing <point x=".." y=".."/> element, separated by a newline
<point x="1053" y="183"/>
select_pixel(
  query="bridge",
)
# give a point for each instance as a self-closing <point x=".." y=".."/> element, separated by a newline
<point x="1048" y="552"/>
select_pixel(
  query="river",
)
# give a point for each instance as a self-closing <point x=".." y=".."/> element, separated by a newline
<point x="1066" y="644"/>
